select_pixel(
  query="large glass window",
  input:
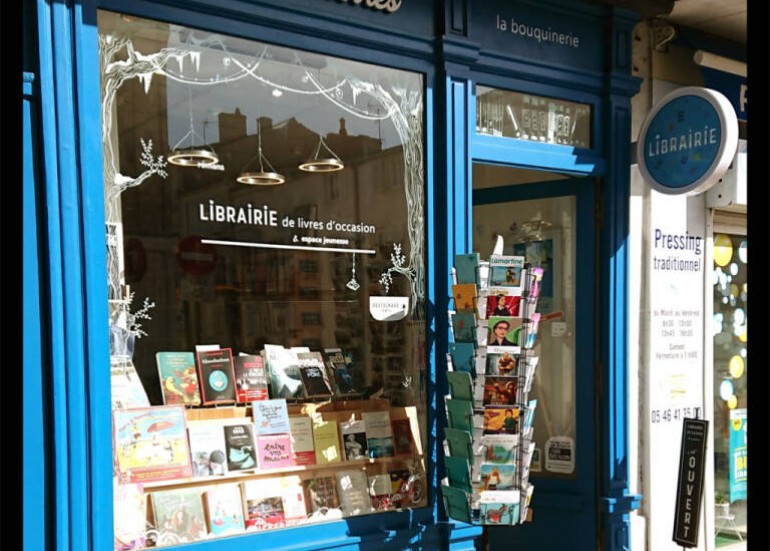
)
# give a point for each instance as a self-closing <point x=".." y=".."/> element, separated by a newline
<point x="264" y="215"/>
<point x="730" y="341"/>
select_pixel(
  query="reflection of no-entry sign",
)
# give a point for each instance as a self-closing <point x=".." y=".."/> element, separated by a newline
<point x="194" y="257"/>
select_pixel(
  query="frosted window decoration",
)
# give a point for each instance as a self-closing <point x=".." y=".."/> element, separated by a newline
<point x="399" y="104"/>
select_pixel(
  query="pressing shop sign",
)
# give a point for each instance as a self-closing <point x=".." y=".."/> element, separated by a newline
<point x="688" y="141"/>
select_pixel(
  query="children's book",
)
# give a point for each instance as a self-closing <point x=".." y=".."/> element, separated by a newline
<point x="301" y="432"/>
<point x="313" y="373"/>
<point x="404" y="491"/>
<point x="263" y="502"/>
<point x="354" y="440"/>
<point x="464" y="326"/>
<point x="457" y="502"/>
<point x="339" y="372"/>
<point x="467" y="268"/>
<point x="178" y="515"/>
<point x="130" y="515"/>
<point x="353" y="492"/>
<point x="500" y="448"/>
<point x="458" y="472"/>
<point x="379" y="434"/>
<point x="283" y="372"/>
<point x="459" y="414"/>
<point x="327" y="441"/>
<point x="250" y="378"/>
<point x="240" y="445"/>
<point x="500" y="390"/>
<point x="150" y="443"/>
<point x="505" y="271"/>
<point x="217" y="379"/>
<point x="499" y="507"/>
<point x="321" y="493"/>
<point x="402" y="436"/>
<point x="207" y="447"/>
<point x="271" y="416"/>
<point x="501" y="419"/>
<point x="500" y="363"/>
<point x="274" y="451"/>
<point x="465" y="297"/>
<point x="178" y="378"/>
<point x="224" y="509"/>
<point x="463" y="356"/>
<point x="460" y="385"/>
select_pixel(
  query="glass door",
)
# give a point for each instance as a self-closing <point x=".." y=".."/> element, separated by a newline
<point x="549" y="219"/>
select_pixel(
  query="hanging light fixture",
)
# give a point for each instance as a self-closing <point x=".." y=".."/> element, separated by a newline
<point x="331" y="163"/>
<point x="192" y="155"/>
<point x="262" y="177"/>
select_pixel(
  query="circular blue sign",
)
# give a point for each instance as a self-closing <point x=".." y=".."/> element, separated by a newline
<point x="688" y="141"/>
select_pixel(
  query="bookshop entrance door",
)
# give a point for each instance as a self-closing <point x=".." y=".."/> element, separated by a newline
<point x="549" y="218"/>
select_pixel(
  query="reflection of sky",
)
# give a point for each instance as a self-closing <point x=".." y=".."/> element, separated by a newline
<point x="237" y="75"/>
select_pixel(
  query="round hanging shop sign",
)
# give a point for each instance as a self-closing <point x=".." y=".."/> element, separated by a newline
<point x="194" y="257"/>
<point x="688" y="141"/>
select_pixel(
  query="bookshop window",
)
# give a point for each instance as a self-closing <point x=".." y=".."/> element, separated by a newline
<point x="266" y="276"/>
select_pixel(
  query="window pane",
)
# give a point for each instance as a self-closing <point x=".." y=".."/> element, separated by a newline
<point x="261" y="196"/>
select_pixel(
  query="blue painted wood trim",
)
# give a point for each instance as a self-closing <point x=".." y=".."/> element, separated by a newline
<point x="616" y="500"/>
<point x="57" y="504"/>
<point x="35" y="481"/>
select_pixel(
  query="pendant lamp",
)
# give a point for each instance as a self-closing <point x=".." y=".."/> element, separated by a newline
<point x="330" y="163"/>
<point x="192" y="155"/>
<point x="261" y="177"/>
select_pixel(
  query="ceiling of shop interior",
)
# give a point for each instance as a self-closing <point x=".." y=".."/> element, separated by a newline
<point x="723" y="18"/>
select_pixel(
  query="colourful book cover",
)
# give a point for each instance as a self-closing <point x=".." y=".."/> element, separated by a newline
<point x="499" y="507"/>
<point x="240" y="445"/>
<point x="327" y="441"/>
<point x="301" y="432"/>
<point x="500" y="390"/>
<point x="499" y="419"/>
<point x="501" y="304"/>
<point x="500" y="448"/>
<point x="354" y="439"/>
<point x="264" y="504"/>
<point x="250" y="378"/>
<point x="501" y="363"/>
<point x="271" y="416"/>
<point x="178" y="515"/>
<point x="402" y="436"/>
<point x="380" y="491"/>
<point x="217" y="379"/>
<point x="505" y="270"/>
<point x="504" y="331"/>
<point x="207" y="447"/>
<point x="283" y="372"/>
<point x="151" y="443"/>
<point x="379" y="434"/>
<point x="404" y="491"/>
<point x="274" y="451"/>
<point x="224" y="508"/>
<point x="178" y="378"/>
<point x="339" y="371"/>
<point x="321" y="493"/>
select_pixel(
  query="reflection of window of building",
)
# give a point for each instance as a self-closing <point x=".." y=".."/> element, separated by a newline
<point x="243" y="266"/>
<point x="730" y="342"/>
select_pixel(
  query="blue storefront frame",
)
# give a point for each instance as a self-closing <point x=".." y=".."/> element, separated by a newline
<point x="69" y="473"/>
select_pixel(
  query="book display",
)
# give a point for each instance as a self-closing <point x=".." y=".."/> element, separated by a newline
<point x="488" y="443"/>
